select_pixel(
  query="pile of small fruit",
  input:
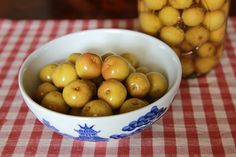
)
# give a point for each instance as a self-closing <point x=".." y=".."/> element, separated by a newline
<point x="195" y="29"/>
<point x="91" y="85"/>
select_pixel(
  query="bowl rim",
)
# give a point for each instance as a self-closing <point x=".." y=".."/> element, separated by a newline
<point x="171" y="89"/>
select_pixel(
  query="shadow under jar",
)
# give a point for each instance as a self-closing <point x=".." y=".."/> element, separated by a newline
<point x="195" y="29"/>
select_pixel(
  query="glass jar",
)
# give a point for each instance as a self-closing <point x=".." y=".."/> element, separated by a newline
<point x="195" y="29"/>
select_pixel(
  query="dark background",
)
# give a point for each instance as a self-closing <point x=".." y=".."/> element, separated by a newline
<point x="73" y="9"/>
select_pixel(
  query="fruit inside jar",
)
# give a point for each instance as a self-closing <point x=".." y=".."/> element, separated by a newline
<point x="195" y="29"/>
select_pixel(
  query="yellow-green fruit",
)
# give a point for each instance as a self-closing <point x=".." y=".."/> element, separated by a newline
<point x="132" y="59"/>
<point x="96" y="108"/>
<point x="218" y="35"/>
<point x="88" y="66"/>
<point x="180" y="4"/>
<point x="225" y="8"/>
<point x="204" y="65"/>
<point x="172" y="35"/>
<point x="54" y="101"/>
<point x="186" y="47"/>
<point x="197" y="35"/>
<point x="45" y="73"/>
<point x="141" y="6"/>
<point x="158" y="84"/>
<point x="155" y="4"/>
<point x="92" y="86"/>
<point x="113" y="92"/>
<point x="169" y="16"/>
<point x="193" y="16"/>
<point x="132" y="104"/>
<point x="187" y="66"/>
<point x="42" y="90"/>
<point x="131" y="68"/>
<point x="77" y="93"/>
<point x="150" y="23"/>
<point x="212" y="4"/>
<point x="143" y="69"/>
<point x="104" y="56"/>
<point x="115" y="67"/>
<point x="64" y="74"/>
<point x="206" y="50"/>
<point x="220" y="51"/>
<point x="72" y="57"/>
<point x="137" y="85"/>
<point x="214" y="20"/>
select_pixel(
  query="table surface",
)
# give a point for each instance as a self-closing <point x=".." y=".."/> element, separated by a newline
<point x="200" y="122"/>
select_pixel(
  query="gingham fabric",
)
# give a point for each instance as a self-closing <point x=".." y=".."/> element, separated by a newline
<point x="200" y="122"/>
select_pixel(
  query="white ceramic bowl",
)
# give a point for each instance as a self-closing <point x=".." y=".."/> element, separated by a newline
<point x="150" y="51"/>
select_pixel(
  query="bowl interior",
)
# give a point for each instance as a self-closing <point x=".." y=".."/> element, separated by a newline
<point x="150" y="52"/>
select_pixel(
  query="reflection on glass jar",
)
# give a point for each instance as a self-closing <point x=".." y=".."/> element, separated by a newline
<point x="195" y="29"/>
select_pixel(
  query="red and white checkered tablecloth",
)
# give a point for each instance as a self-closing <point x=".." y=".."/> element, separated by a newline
<point x="200" y="122"/>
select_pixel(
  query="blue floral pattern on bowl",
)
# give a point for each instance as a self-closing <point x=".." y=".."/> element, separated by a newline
<point x="141" y="123"/>
<point x="85" y="132"/>
<point x="88" y="133"/>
